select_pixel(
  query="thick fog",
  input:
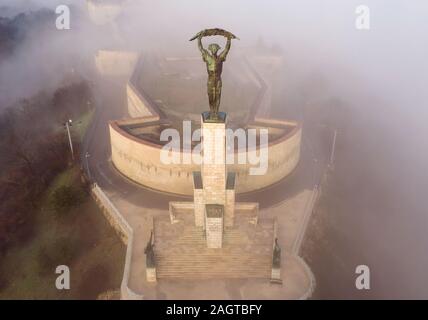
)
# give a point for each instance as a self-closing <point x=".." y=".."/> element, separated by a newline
<point x="389" y="58"/>
<point x="380" y="74"/>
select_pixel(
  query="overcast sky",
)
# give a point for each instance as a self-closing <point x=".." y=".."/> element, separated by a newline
<point x="391" y="56"/>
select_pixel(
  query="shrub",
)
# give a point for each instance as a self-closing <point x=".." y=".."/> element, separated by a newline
<point x="4" y="283"/>
<point x="66" y="197"/>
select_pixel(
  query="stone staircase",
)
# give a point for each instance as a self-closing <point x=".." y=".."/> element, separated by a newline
<point x="181" y="252"/>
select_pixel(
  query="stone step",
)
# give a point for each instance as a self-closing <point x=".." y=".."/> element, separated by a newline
<point x="237" y="250"/>
<point x="181" y="251"/>
<point x="200" y="276"/>
<point x="222" y="274"/>
<point x="213" y="265"/>
<point x="228" y="257"/>
<point x="184" y="272"/>
<point x="209" y="267"/>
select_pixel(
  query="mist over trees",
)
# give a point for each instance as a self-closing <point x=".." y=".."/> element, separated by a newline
<point x="15" y="30"/>
<point x="33" y="150"/>
<point x="38" y="93"/>
<point x="35" y="56"/>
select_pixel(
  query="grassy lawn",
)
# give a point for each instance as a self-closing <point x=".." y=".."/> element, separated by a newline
<point x="80" y="124"/>
<point x="83" y="123"/>
<point x="95" y="254"/>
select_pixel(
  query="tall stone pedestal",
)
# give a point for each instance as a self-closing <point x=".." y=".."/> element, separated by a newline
<point x="214" y="188"/>
<point x="214" y="159"/>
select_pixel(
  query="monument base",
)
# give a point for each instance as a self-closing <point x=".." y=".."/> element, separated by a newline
<point x="151" y="274"/>
<point x="214" y="214"/>
<point x="208" y="117"/>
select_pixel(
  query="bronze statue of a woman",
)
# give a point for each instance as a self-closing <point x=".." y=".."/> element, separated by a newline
<point x="214" y="62"/>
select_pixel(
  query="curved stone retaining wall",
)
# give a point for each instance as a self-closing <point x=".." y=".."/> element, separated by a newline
<point x="139" y="160"/>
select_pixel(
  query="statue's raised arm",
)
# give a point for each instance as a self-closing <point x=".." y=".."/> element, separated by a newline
<point x="204" y="51"/>
<point x="226" y="50"/>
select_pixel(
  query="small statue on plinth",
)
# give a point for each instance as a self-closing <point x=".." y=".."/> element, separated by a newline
<point x="276" y="255"/>
<point x="214" y="62"/>
<point x="150" y="254"/>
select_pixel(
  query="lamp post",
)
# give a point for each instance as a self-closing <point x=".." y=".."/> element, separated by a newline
<point x="69" y="124"/>
<point x="333" y="148"/>
<point x="87" y="155"/>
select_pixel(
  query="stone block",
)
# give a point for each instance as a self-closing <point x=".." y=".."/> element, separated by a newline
<point x="229" y="209"/>
<point x="214" y="214"/>
<point x="214" y="161"/>
<point x="199" y="206"/>
<point x="150" y="274"/>
<point x="276" y="276"/>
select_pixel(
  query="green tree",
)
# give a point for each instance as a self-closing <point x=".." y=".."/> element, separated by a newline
<point x="66" y="197"/>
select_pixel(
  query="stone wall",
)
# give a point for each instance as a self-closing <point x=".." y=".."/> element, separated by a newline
<point x="138" y="106"/>
<point x="139" y="161"/>
<point x="198" y="200"/>
<point x="115" y="63"/>
<point x="102" y="13"/>
<point x="118" y="222"/>
<point x="229" y="209"/>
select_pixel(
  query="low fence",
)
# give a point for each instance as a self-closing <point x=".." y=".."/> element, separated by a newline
<point x="295" y="250"/>
<point x="312" y="284"/>
<point x="308" y="212"/>
<point x="118" y="222"/>
<point x="313" y="201"/>
<point x="307" y="215"/>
